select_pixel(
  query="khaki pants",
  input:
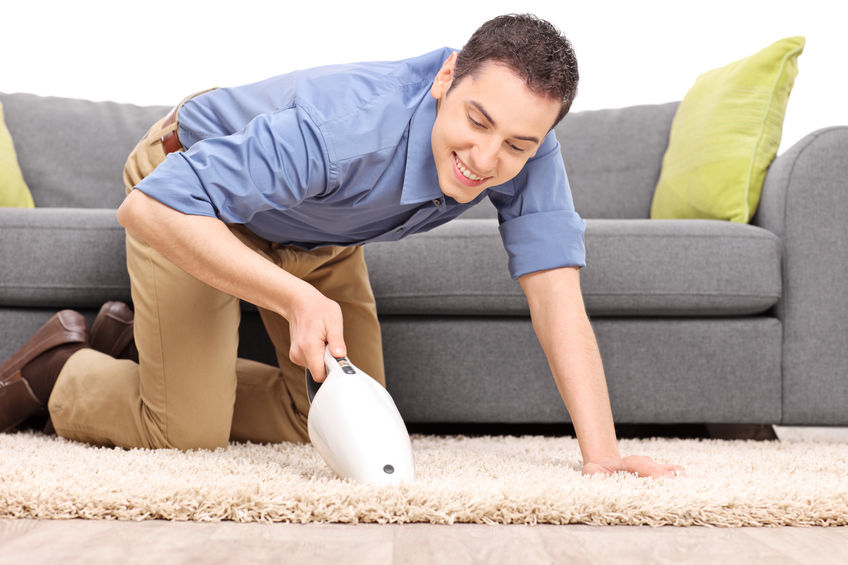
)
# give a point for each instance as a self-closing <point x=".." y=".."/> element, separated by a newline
<point x="189" y="389"/>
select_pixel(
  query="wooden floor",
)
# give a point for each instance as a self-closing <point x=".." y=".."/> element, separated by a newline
<point x="159" y="542"/>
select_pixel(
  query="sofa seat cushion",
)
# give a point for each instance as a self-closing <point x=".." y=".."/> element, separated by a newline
<point x="680" y="268"/>
<point x="459" y="268"/>
<point x="75" y="258"/>
<point x="62" y="258"/>
<point x="635" y="268"/>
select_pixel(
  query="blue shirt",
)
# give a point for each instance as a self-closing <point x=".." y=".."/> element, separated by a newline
<point x="341" y="155"/>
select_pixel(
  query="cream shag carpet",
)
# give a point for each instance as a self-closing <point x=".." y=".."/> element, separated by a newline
<point x="500" y="480"/>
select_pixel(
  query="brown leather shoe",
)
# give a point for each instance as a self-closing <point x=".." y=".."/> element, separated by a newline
<point x="112" y="331"/>
<point x="27" y="378"/>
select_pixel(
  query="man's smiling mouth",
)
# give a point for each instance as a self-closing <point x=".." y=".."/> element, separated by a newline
<point x="468" y="176"/>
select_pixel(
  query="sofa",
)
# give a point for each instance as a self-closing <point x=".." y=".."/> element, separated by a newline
<point x="698" y="321"/>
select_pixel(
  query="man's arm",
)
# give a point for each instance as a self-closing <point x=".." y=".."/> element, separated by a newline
<point x="562" y="327"/>
<point x="205" y="248"/>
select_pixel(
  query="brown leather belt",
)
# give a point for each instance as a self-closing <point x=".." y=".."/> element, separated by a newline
<point x="170" y="141"/>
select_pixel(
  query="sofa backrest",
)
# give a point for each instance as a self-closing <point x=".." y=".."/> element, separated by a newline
<point x="72" y="152"/>
<point x="613" y="158"/>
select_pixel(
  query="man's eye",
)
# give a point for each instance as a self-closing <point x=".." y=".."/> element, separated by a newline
<point x="475" y="122"/>
<point x="520" y="150"/>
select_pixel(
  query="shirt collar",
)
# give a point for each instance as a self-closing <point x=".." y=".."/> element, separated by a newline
<point x="421" y="181"/>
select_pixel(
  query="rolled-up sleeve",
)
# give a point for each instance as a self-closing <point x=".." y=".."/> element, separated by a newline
<point x="538" y="224"/>
<point x="275" y="162"/>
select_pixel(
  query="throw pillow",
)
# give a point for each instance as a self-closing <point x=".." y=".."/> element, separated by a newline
<point x="724" y="136"/>
<point x="13" y="190"/>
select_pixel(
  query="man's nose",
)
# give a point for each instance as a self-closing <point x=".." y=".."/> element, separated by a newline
<point x="485" y="157"/>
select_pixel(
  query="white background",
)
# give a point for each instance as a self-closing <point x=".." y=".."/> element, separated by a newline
<point x="639" y="52"/>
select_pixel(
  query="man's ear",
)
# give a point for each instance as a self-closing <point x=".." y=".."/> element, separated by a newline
<point x="444" y="78"/>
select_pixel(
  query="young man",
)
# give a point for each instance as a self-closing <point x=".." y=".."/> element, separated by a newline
<point x="266" y="193"/>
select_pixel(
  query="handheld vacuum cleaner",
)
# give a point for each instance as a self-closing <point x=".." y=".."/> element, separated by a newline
<point x="356" y="427"/>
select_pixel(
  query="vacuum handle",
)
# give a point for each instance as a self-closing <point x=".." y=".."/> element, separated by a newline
<point x="331" y="365"/>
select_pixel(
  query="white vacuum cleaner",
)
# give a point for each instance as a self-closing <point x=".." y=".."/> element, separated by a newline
<point x="356" y="427"/>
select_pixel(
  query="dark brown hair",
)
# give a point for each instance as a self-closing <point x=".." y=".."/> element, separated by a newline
<point x="532" y="47"/>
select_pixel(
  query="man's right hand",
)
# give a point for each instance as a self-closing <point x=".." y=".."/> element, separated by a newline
<point x="315" y="321"/>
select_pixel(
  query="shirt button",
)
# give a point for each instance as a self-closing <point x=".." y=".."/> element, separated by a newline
<point x="399" y="230"/>
<point x="437" y="202"/>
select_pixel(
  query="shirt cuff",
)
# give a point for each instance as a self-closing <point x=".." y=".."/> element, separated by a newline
<point x="545" y="240"/>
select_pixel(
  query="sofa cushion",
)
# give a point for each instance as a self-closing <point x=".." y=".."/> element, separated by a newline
<point x="725" y="135"/>
<point x="13" y="189"/>
<point x="635" y="268"/>
<point x="80" y="163"/>
<point x="75" y="258"/>
<point x="63" y="258"/>
<point x="613" y="158"/>
<point x="680" y="268"/>
<point x="458" y="268"/>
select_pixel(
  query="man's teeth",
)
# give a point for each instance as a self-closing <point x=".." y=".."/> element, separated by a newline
<point x="465" y="172"/>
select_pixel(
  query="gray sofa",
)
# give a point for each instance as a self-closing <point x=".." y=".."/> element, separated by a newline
<point x="697" y="321"/>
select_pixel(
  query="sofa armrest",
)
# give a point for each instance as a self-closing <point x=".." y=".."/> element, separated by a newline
<point x="805" y="202"/>
<point x="61" y="258"/>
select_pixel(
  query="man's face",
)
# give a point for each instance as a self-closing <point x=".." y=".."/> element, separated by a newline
<point x="486" y="128"/>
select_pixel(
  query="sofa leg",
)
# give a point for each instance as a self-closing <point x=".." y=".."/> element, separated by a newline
<point x="758" y="432"/>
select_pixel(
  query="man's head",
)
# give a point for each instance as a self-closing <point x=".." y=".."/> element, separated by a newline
<point x="512" y="82"/>
<point x="533" y="48"/>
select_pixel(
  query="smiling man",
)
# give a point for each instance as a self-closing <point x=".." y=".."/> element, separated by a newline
<point x="267" y="192"/>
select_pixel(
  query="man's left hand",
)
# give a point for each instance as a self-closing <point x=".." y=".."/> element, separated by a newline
<point x="639" y="465"/>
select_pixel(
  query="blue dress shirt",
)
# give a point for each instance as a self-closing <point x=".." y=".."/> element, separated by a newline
<point x="341" y="155"/>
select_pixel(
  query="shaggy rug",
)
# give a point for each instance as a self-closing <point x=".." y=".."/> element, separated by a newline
<point x="493" y="480"/>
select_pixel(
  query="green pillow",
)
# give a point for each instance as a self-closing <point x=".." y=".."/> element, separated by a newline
<point x="725" y="135"/>
<point x="13" y="190"/>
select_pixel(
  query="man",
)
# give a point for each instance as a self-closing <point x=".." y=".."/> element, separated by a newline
<point x="266" y="193"/>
